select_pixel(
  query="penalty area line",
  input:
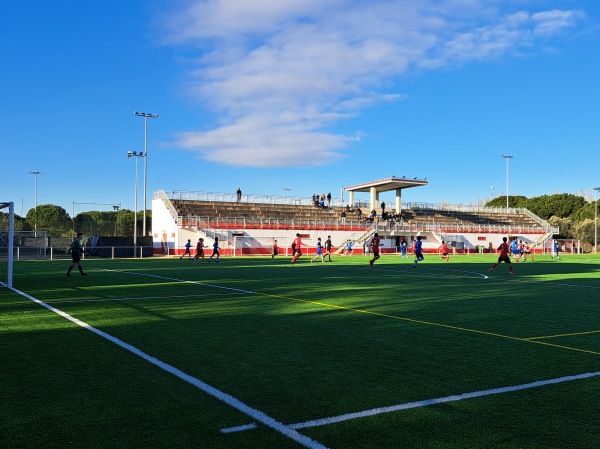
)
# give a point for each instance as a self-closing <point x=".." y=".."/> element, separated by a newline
<point x="203" y="386"/>
<point x="424" y="403"/>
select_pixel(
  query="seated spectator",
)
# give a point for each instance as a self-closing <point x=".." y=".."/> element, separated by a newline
<point x="359" y="212"/>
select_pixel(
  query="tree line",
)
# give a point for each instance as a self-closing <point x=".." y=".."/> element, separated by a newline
<point x="57" y="222"/>
<point x="571" y="213"/>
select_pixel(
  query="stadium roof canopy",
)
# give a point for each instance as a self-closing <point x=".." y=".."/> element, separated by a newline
<point x="384" y="185"/>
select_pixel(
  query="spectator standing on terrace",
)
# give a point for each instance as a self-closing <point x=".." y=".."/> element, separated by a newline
<point x="188" y="247"/>
<point x="359" y="213"/>
<point x="328" y="247"/>
<point x="418" y="251"/>
<point x="239" y="195"/>
<point x="382" y="208"/>
<point x="297" y="248"/>
<point x="76" y="250"/>
<point x="504" y="249"/>
<point x="319" y="252"/>
<point x="343" y="216"/>
<point x="215" y="251"/>
<point x="275" y="251"/>
<point x="329" y="199"/>
<point x="375" y="242"/>
<point x="323" y="197"/>
<point x="200" y="250"/>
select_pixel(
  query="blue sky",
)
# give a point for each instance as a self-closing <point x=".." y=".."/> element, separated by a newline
<point x="307" y="95"/>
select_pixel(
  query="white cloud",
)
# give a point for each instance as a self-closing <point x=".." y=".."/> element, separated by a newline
<point x="278" y="74"/>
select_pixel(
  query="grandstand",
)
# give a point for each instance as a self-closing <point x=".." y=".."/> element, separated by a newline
<point x="257" y="220"/>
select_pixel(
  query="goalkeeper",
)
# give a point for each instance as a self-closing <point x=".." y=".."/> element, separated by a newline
<point x="76" y="250"/>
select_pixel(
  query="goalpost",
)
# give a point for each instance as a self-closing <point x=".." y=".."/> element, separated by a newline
<point x="7" y="239"/>
<point x="258" y="246"/>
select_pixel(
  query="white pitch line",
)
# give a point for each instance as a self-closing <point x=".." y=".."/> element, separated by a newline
<point x="208" y="295"/>
<point x="206" y="388"/>
<point x="182" y="280"/>
<point x="424" y="403"/>
<point x="427" y="273"/>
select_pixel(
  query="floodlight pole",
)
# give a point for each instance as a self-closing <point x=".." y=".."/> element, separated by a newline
<point x="36" y="173"/>
<point x="507" y="158"/>
<point x="129" y="156"/>
<point x="146" y="117"/>
<point x="596" y="221"/>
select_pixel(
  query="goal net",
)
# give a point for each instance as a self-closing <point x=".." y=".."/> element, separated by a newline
<point x="7" y="238"/>
<point x="258" y="246"/>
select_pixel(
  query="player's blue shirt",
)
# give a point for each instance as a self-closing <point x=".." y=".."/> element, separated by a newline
<point x="514" y="247"/>
<point x="349" y="246"/>
<point x="418" y="246"/>
<point x="555" y="247"/>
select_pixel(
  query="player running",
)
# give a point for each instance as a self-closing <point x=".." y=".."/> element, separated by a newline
<point x="319" y="252"/>
<point x="527" y="252"/>
<point x="555" y="250"/>
<point x="76" y="250"/>
<point x="418" y="251"/>
<point x="504" y="256"/>
<point x="328" y="246"/>
<point x="443" y="250"/>
<point x="296" y="248"/>
<point x="349" y="249"/>
<point x="188" y="250"/>
<point x="515" y="250"/>
<point x="215" y="251"/>
<point x="375" y="243"/>
<point x="200" y="250"/>
<point x="403" y="246"/>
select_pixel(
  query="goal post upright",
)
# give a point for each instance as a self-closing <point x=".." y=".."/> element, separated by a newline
<point x="10" y="242"/>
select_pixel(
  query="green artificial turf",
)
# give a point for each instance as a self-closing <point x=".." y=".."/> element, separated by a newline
<point x="299" y="343"/>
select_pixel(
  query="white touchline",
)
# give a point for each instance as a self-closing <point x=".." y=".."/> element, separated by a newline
<point x="424" y="403"/>
<point x="208" y="389"/>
